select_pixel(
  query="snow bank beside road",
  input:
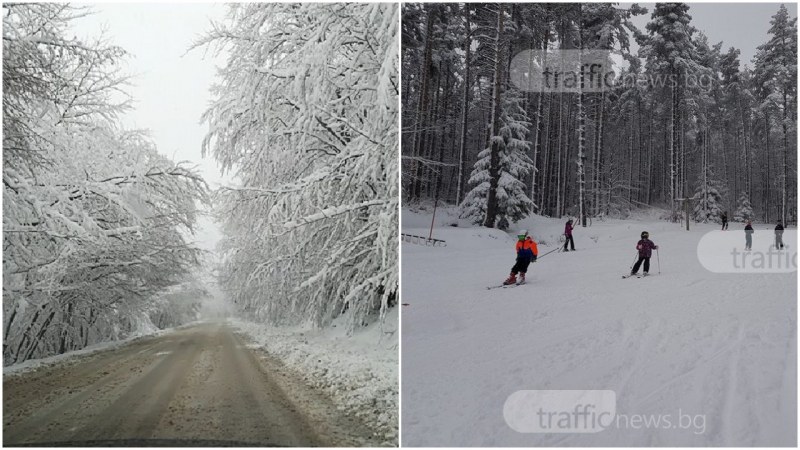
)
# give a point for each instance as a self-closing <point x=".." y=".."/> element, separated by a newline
<point x="360" y="373"/>
<point x="68" y="357"/>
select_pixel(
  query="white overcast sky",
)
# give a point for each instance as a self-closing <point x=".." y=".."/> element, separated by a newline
<point x="170" y="87"/>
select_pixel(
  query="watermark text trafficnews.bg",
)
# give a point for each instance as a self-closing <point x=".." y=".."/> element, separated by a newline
<point x="586" y="411"/>
<point x="589" y="71"/>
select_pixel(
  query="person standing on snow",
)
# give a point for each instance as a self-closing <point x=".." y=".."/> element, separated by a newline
<point x="526" y="253"/>
<point x="748" y="235"/>
<point x="779" y="236"/>
<point x="645" y="247"/>
<point x="724" y="218"/>
<point x="568" y="233"/>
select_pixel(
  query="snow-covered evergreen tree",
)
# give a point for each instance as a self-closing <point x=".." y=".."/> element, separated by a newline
<point x="708" y="200"/>
<point x="744" y="210"/>
<point x="514" y="166"/>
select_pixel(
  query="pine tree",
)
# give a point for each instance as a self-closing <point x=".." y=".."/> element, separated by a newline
<point x="776" y="69"/>
<point x="709" y="200"/>
<point x="669" y="52"/>
<point x="513" y="166"/>
<point x="744" y="211"/>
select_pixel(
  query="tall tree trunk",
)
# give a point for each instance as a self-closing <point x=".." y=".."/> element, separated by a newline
<point x="494" y="159"/>
<point x="418" y="146"/>
<point x="538" y="121"/>
<point x="785" y="193"/>
<point x="581" y="127"/>
<point x="465" y="105"/>
<point x="673" y="152"/>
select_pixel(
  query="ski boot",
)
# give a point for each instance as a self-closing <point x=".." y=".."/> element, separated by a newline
<point x="511" y="279"/>
<point x="521" y="279"/>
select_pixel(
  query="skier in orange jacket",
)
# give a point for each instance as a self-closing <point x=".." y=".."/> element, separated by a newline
<point x="527" y="251"/>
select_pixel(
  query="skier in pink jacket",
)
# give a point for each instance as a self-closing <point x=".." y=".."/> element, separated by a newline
<point x="568" y="233"/>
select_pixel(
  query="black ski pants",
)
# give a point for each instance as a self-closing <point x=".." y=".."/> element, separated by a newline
<point x="521" y="266"/>
<point x="636" y="266"/>
<point x="570" y="242"/>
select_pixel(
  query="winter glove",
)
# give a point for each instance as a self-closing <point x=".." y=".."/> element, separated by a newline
<point x="533" y="259"/>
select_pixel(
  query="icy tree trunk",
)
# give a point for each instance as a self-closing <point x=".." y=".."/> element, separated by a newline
<point x="494" y="164"/>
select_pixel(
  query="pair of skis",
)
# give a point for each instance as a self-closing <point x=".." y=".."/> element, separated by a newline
<point x="519" y="283"/>
<point x="636" y="275"/>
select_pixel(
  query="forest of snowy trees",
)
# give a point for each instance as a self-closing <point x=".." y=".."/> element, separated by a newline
<point x="723" y="135"/>
<point x="94" y="218"/>
<point x="304" y="116"/>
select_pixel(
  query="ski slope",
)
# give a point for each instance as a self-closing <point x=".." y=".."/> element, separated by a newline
<point x="719" y="349"/>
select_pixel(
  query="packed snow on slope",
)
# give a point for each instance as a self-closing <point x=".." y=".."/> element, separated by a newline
<point x="359" y="372"/>
<point x="718" y="350"/>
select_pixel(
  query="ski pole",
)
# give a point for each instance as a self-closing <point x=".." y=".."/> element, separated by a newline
<point x="635" y="257"/>
<point x="658" y="259"/>
<point x="551" y="251"/>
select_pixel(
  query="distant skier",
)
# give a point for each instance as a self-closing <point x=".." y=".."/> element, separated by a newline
<point x="748" y="236"/>
<point x="568" y="233"/>
<point x="779" y="235"/>
<point x="724" y="218"/>
<point x="527" y="251"/>
<point x="645" y="247"/>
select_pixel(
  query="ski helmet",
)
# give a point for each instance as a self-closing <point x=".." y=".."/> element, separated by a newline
<point x="645" y="235"/>
<point x="522" y="234"/>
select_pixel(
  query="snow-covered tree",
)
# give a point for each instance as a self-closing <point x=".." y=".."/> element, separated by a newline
<point x="513" y="166"/>
<point x="306" y="120"/>
<point x="708" y="200"/>
<point x="744" y="210"/>
<point x="94" y="219"/>
<point x="776" y="83"/>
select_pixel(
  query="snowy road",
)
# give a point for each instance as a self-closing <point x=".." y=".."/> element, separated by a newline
<point x="200" y="383"/>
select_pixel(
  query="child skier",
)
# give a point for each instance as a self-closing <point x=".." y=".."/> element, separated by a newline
<point x="568" y="233"/>
<point x="779" y="235"/>
<point x="645" y="247"/>
<point x="526" y="253"/>
<point x="748" y="236"/>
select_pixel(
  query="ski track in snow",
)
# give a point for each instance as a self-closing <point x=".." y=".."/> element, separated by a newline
<point x="684" y="341"/>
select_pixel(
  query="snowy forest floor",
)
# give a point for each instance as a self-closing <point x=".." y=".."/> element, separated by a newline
<point x="719" y="348"/>
<point x="359" y="373"/>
